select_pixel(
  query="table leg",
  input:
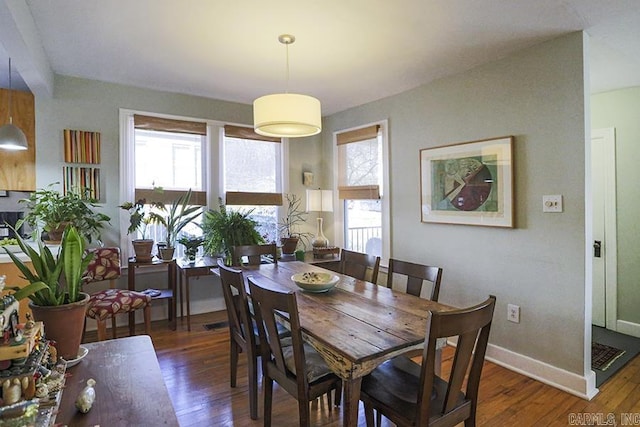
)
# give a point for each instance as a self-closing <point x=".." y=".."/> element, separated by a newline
<point x="186" y="279"/>
<point x="351" y="401"/>
<point x="131" y="285"/>
<point x="181" y="274"/>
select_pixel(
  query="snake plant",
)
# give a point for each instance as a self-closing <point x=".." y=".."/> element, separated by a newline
<point x="46" y="285"/>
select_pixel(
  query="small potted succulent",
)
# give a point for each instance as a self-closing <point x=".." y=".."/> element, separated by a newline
<point x="191" y="245"/>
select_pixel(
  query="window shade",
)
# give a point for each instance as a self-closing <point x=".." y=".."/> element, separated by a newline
<point x="246" y="133"/>
<point x="169" y="125"/>
<point x="359" y="192"/>
<point x="362" y="134"/>
<point x="198" y="198"/>
<point x="253" y="199"/>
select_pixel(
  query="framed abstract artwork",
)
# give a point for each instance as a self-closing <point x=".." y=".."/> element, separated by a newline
<point x="468" y="183"/>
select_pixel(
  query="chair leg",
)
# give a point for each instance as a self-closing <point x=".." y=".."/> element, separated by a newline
<point x="368" y="415"/>
<point x="147" y="319"/>
<point x="234" y="363"/>
<point x="113" y="328"/>
<point x="267" y="385"/>
<point x="303" y="411"/>
<point x="102" y="329"/>
<point x="338" y="397"/>
<point x="378" y="418"/>
<point x="252" y="367"/>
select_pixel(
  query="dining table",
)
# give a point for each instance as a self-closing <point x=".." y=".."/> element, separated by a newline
<point x="355" y="326"/>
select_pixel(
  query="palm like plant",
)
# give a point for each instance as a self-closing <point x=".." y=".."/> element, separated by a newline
<point x="175" y="217"/>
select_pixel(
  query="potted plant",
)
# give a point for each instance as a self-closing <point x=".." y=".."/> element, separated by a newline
<point x="174" y="218"/>
<point x="191" y="245"/>
<point x="223" y="229"/>
<point x="139" y="220"/>
<point x="288" y="225"/>
<point x="54" y="288"/>
<point x="50" y="211"/>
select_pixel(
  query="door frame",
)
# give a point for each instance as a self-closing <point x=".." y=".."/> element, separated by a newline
<point x="610" y="251"/>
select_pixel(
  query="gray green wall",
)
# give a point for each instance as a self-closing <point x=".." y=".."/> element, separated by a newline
<point x="619" y="109"/>
<point x="538" y="96"/>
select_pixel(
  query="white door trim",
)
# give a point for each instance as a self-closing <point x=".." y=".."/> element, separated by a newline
<point x="609" y="246"/>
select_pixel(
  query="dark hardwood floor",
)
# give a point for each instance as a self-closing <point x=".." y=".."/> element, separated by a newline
<point x="195" y="366"/>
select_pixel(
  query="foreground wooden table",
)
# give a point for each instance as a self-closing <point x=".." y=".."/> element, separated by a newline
<point x="129" y="387"/>
<point x="356" y="326"/>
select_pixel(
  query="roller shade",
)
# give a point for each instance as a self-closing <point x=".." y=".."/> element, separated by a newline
<point x="362" y="134"/>
<point x="253" y="199"/>
<point x="362" y="192"/>
<point x="246" y="133"/>
<point x="198" y="198"/>
<point x="169" y="125"/>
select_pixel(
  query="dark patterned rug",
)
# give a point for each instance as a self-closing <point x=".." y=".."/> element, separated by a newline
<point x="217" y="325"/>
<point x="602" y="356"/>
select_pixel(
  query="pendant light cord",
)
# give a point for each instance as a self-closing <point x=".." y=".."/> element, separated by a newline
<point x="10" y="117"/>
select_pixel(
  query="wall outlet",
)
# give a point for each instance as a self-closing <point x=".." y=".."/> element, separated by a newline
<point x="513" y="313"/>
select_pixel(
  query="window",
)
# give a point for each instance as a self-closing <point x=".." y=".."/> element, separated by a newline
<point x="362" y="182"/>
<point x="252" y="177"/>
<point x="162" y="152"/>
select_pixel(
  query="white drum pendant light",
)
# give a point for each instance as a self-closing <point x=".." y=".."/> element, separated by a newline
<point x="11" y="137"/>
<point x="287" y="114"/>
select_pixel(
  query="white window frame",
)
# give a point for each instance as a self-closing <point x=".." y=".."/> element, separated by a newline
<point x="127" y="165"/>
<point x="385" y="191"/>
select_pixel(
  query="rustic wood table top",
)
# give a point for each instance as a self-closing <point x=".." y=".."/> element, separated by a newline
<point x="130" y="390"/>
<point x="356" y="326"/>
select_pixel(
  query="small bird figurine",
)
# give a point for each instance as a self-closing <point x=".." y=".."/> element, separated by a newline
<point x="86" y="397"/>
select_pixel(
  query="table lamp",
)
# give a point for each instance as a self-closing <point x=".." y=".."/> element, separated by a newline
<point x="319" y="201"/>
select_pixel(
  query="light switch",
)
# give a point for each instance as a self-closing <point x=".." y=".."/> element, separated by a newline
<point x="552" y="203"/>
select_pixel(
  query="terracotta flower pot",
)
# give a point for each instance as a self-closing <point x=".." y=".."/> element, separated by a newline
<point x="142" y="248"/>
<point x="63" y="324"/>
<point x="289" y="245"/>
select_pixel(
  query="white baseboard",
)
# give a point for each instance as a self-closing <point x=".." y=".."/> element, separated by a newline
<point x="583" y="387"/>
<point x="628" y="328"/>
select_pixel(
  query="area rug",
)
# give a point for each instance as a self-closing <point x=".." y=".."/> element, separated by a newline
<point x="602" y="356"/>
<point x="217" y="325"/>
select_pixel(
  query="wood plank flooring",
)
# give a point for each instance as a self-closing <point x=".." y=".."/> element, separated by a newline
<point x="195" y="366"/>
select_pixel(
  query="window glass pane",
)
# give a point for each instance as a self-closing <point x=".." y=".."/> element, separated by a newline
<point x="363" y="162"/>
<point x="254" y="166"/>
<point x="363" y="226"/>
<point x="169" y="160"/>
<point x="251" y="165"/>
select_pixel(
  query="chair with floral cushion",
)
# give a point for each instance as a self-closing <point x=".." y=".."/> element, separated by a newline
<point x="108" y="303"/>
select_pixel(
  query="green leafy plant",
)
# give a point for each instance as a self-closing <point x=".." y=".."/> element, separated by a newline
<point x="175" y="217"/>
<point x="139" y="219"/>
<point x="191" y="244"/>
<point x="48" y="209"/>
<point x="46" y="287"/>
<point x="223" y="229"/>
<point x="294" y="217"/>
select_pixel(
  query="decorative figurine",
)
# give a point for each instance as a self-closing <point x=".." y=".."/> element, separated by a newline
<point x="86" y="397"/>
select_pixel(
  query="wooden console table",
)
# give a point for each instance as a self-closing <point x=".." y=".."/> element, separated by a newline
<point x="167" y="293"/>
<point x="130" y="390"/>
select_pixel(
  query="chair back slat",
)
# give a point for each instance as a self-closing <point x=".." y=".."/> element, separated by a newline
<point x="416" y="275"/>
<point x="471" y="326"/>
<point x="237" y="303"/>
<point x="356" y="264"/>
<point x="254" y="253"/>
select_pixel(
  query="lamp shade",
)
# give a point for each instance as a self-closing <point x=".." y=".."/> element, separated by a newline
<point x="287" y="115"/>
<point x="12" y="138"/>
<point x="319" y="201"/>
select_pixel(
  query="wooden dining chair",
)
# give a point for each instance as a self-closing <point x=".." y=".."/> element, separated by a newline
<point x="242" y="337"/>
<point x="357" y="265"/>
<point x="411" y="394"/>
<point x="254" y="254"/>
<point x="108" y="303"/>
<point x="294" y="365"/>
<point x="416" y="275"/>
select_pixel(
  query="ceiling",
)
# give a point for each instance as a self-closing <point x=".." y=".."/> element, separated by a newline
<point x="347" y="52"/>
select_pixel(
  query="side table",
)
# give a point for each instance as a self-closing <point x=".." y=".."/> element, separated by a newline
<point x="200" y="267"/>
<point x="168" y="293"/>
